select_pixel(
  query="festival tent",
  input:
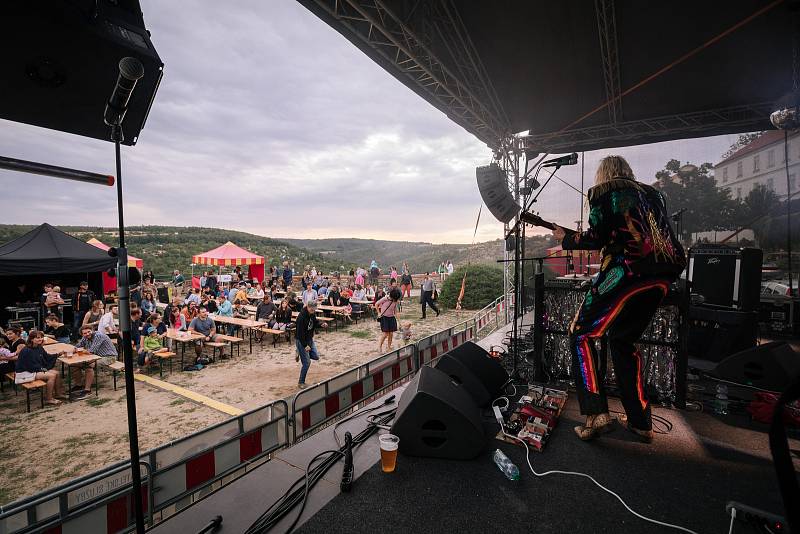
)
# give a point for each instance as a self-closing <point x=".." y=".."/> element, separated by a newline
<point x="45" y="254"/>
<point x="109" y="281"/>
<point x="230" y="255"/>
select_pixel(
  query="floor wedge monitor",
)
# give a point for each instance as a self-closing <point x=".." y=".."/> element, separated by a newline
<point x="438" y="419"/>
<point x="470" y="366"/>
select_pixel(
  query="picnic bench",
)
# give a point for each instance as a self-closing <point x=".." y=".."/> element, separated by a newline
<point x="29" y="387"/>
<point x="232" y="341"/>
<point x="276" y="334"/>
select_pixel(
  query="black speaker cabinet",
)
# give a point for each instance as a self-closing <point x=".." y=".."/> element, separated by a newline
<point x="470" y="366"/>
<point x="438" y="419"/>
<point x="773" y="366"/>
<point x="493" y="188"/>
<point x="60" y="63"/>
<point x="716" y="333"/>
<point x="726" y="276"/>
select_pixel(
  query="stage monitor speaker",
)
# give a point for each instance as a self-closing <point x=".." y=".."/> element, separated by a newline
<point x="495" y="194"/>
<point x="438" y="419"/>
<point x="771" y="366"/>
<point x="726" y="276"/>
<point x="60" y="64"/>
<point x="470" y="366"/>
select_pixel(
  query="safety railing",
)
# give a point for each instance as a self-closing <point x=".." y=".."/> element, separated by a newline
<point x="173" y="476"/>
<point x="179" y="473"/>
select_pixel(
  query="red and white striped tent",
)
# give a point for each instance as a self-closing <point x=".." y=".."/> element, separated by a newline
<point x="230" y="255"/>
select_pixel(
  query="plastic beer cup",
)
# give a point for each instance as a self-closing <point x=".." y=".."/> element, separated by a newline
<point x="389" y="444"/>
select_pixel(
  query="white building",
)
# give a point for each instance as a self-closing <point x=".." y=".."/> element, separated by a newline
<point x="761" y="162"/>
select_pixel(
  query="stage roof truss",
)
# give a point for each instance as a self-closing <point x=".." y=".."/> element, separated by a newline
<point x="466" y="96"/>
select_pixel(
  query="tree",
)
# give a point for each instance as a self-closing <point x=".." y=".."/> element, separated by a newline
<point x="743" y="140"/>
<point x="707" y="206"/>
<point x="484" y="284"/>
<point x="761" y="207"/>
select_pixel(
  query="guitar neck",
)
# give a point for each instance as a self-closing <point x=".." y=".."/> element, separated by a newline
<point x="535" y="220"/>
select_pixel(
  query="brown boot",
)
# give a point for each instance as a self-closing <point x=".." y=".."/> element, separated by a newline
<point x="645" y="436"/>
<point x="595" y="426"/>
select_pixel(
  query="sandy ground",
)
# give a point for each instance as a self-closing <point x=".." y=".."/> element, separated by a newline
<point x="53" y="445"/>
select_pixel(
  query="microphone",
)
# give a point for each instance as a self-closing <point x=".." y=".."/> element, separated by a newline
<point x="130" y="71"/>
<point x="570" y="159"/>
<point x="347" y="472"/>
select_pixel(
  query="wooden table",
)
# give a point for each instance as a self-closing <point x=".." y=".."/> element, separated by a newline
<point x="246" y="324"/>
<point x="56" y="347"/>
<point x="48" y="340"/>
<point x="183" y="337"/>
<point x="83" y="361"/>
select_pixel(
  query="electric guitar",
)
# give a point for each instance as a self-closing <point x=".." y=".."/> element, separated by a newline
<point x="535" y="220"/>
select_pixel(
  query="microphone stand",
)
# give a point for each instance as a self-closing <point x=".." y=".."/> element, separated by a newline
<point x="123" y="291"/>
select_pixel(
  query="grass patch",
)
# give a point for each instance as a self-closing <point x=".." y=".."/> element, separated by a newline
<point x="177" y="402"/>
<point x="83" y="439"/>
<point x="360" y="334"/>
<point x="96" y="401"/>
<point x="5" y="421"/>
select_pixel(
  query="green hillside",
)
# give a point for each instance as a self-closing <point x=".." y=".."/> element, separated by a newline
<point x="419" y="256"/>
<point x="165" y="248"/>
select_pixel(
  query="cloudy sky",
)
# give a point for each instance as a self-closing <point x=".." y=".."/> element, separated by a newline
<point x="269" y="121"/>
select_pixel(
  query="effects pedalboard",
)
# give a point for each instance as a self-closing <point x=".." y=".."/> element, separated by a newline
<point x="534" y="416"/>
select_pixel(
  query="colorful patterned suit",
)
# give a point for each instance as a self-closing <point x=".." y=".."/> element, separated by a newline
<point x="640" y="258"/>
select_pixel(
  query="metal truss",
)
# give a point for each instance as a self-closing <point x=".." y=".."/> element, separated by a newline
<point x="466" y="95"/>
<point x="739" y="118"/>
<point x="607" y="31"/>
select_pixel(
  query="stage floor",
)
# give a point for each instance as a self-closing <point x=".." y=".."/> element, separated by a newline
<point x="685" y="477"/>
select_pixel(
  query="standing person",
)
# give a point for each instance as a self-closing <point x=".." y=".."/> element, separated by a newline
<point x="287" y="276"/>
<point x="393" y="272"/>
<point x="449" y="267"/>
<point x="32" y="365"/>
<point x="203" y="279"/>
<point x="387" y="311"/>
<point x="359" y="281"/>
<point x="304" y="339"/>
<point x="441" y="271"/>
<point x="426" y="296"/>
<point x="211" y="282"/>
<point x="374" y="272"/>
<point x="81" y="304"/>
<point x="406" y="283"/>
<point x="641" y="257"/>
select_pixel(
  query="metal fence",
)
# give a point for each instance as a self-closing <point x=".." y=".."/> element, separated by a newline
<point x="179" y="473"/>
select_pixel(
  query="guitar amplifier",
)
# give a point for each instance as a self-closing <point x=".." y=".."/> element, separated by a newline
<point x="726" y="276"/>
<point x="778" y="314"/>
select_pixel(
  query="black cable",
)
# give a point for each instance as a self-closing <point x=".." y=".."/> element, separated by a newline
<point x="386" y="402"/>
<point x="295" y="495"/>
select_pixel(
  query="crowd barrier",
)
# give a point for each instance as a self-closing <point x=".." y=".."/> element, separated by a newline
<point x="181" y="472"/>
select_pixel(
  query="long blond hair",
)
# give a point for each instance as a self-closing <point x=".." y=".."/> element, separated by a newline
<point x="612" y="167"/>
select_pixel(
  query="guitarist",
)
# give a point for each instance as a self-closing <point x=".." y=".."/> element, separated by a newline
<point x="640" y="259"/>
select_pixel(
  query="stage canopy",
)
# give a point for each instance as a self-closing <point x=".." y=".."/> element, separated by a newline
<point x="581" y="75"/>
<point x="133" y="261"/>
<point x="46" y="250"/>
<point x="231" y="255"/>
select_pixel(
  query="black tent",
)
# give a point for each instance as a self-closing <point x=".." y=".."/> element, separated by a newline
<point x="46" y="250"/>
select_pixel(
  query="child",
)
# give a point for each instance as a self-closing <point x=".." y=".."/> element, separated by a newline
<point x="406" y="328"/>
<point x="150" y="346"/>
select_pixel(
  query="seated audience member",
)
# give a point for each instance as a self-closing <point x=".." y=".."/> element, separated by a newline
<point x="189" y="312"/>
<point x="53" y="327"/>
<point x="283" y="316"/>
<point x="333" y="295"/>
<point x="265" y="311"/>
<point x="210" y="303"/>
<point x="32" y="364"/>
<point x="93" y="316"/>
<point x="176" y="320"/>
<point x="257" y="293"/>
<point x="148" y="304"/>
<point x="370" y="293"/>
<point x="224" y="307"/>
<point x="295" y="304"/>
<point x="177" y="302"/>
<point x="239" y="312"/>
<point x="194" y="296"/>
<point x="96" y="343"/>
<point x="106" y="324"/>
<point x="241" y="293"/>
<point x="150" y="346"/>
<point x="309" y="294"/>
<point x="157" y="321"/>
<point x="322" y="291"/>
<point x="379" y="294"/>
<point x="204" y="325"/>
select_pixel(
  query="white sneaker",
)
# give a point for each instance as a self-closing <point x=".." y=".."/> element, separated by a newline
<point x="302" y="386"/>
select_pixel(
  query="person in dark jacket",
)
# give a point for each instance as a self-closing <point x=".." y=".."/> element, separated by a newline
<point x="32" y="364"/>
<point x="304" y="339"/>
<point x="641" y="257"/>
<point x="287" y="276"/>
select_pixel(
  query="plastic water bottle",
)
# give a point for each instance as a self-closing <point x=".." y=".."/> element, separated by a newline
<point x="721" y="400"/>
<point x="505" y="465"/>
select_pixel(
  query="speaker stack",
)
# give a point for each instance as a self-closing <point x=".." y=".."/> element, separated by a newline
<point x="729" y="281"/>
<point x="439" y="413"/>
<point x="495" y="194"/>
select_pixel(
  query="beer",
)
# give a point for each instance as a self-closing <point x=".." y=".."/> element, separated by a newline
<point x="389" y="444"/>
